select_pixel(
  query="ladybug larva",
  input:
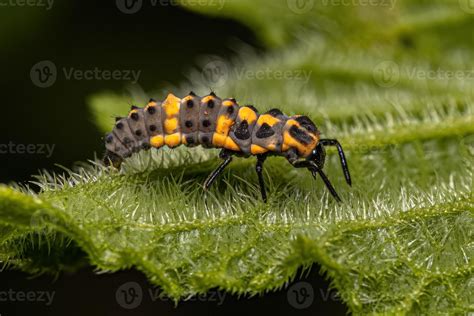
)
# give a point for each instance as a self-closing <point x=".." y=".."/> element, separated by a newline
<point x="212" y="122"/>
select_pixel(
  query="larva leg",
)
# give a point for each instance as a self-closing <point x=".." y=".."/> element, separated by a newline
<point x="224" y="154"/>
<point x="313" y="167"/>
<point x="112" y="159"/>
<point x="259" y="169"/>
<point x="342" y="157"/>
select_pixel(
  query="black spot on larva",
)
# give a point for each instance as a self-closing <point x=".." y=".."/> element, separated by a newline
<point x="134" y="116"/>
<point x="146" y="146"/>
<point x="210" y="104"/>
<point x="152" y="128"/>
<point x="233" y="100"/>
<point x="213" y="94"/>
<point x="242" y="130"/>
<point x="300" y="135"/>
<point x="151" y="110"/>
<point x="118" y="118"/>
<point x="126" y="140"/>
<point x="189" y="140"/>
<point x="192" y="93"/>
<point x="152" y="100"/>
<point x="206" y="123"/>
<point x="307" y="123"/>
<point x="205" y="139"/>
<point x="134" y="107"/>
<point x="252" y="107"/>
<point x="275" y="112"/>
<point x="265" y="131"/>
<point x="230" y="110"/>
<point x="188" y="124"/>
<point x="138" y="132"/>
<point x="119" y="125"/>
<point x="109" y="138"/>
<point x="190" y="104"/>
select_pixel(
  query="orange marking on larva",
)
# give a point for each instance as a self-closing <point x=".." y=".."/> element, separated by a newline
<point x="292" y="122"/>
<point x="157" y="141"/>
<point x="267" y="118"/>
<point x="171" y="105"/>
<point x="227" y="103"/>
<point x="218" y="140"/>
<point x="131" y="112"/>
<point x="224" y="123"/>
<point x="150" y="104"/>
<point x="173" y="140"/>
<point x="207" y="99"/>
<point x="189" y="97"/>
<point x="256" y="150"/>
<point x="290" y="142"/>
<point x="231" y="145"/>
<point x="171" y="125"/>
<point x="246" y="113"/>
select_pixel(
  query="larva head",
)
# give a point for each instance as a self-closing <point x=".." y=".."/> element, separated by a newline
<point x="315" y="149"/>
<point x="318" y="155"/>
<point x="300" y="134"/>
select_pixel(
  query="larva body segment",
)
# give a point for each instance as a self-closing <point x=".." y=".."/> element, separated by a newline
<point x="208" y="112"/>
<point x="221" y="123"/>
<point x="267" y="133"/>
<point x="136" y="122"/>
<point x="189" y="120"/>
<point x="153" y="117"/>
